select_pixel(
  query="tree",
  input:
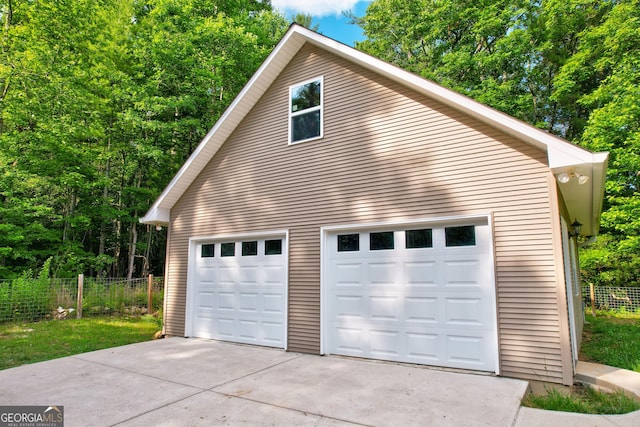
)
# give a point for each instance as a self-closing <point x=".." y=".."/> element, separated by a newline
<point x="503" y="53"/>
<point x="101" y="102"/>
<point x="570" y="67"/>
<point x="305" y="20"/>
<point x="610" y="55"/>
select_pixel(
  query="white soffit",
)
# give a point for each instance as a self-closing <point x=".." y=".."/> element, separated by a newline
<point x="561" y="154"/>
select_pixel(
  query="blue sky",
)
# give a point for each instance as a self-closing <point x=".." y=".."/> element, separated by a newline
<point x="328" y="15"/>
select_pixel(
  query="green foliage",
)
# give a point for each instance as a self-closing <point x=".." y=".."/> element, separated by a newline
<point x="612" y="338"/>
<point x="569" y="66"/>
<point x="586" y="400"/>
<point x="100" y="104"/>
<point x="28" y="297"/>
<point x="116" y="297"/>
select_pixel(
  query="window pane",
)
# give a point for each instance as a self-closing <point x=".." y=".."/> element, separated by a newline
<point x="305" y="96"/>
<point x="460" y="236"/>
<point x="228" y="249"/>
<point x="249" y="248"/>
<point x="273" y="247"/>
<point x="348" y="242"/>
<point x="207" y="250"/>
<point x="305" y="126"/>
<point x="380" y="241"/>
<point x="419" y="238"/>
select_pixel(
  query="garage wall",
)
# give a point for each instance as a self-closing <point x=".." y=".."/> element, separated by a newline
<point x="387" y="155"/>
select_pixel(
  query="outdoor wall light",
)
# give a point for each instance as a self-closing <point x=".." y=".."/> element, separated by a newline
<point x="158" y="228"/>
<point x="575" y="228"/>
<point x="565" y="177"/>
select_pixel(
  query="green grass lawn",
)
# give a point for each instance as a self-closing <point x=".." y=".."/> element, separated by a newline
<point x="611" y="338"/>
<point x="22" y="343"/>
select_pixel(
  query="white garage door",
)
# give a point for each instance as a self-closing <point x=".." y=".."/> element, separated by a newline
<point x="420" y="294"/>
<point x="238" y="292"/>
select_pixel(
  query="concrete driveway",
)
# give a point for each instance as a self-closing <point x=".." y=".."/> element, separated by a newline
<point x="189" y="382"/>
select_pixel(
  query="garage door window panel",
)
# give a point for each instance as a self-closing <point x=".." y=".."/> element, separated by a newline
<point x="348" y="242"/>
<point x="273" y="247"/>
<point x="460" y="236"/>
<point x="416" y="239"/>
<point x="207" y="250"/>
<point x="250" y="248"/>
<point x="228" y="249"/>
<point x="381" y="241"/>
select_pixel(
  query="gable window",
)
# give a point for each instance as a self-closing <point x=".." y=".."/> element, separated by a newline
<point x="305" y="111"/>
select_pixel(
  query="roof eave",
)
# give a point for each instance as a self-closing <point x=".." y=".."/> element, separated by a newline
<point x="562" y="155"/>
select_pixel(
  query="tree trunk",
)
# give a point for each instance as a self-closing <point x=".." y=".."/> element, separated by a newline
<point x="133" y="241"/>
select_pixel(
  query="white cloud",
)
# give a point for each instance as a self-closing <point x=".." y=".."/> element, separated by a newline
<point x="315" y="8"/>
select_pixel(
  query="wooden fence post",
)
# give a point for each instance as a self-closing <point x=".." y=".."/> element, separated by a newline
<point x="79" y="305"/>
<point x="150" y="294"/>
<point x="593" y="299"/>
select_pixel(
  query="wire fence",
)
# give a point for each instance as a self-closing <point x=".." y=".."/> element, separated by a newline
<point x="31" y="299"/>
<point x="608" y="298"/>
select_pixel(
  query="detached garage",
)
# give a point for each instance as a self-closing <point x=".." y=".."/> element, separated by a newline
<point x="344" y="206"/>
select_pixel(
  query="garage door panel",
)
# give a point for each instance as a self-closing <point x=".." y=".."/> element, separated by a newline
<point x="464" y="311"/>
<point x="225" y="328"/>
<point x="248" y="329"/>
<point x="420" y="273"/>
<point x="241" y="296"/>
<point x="248" y="275"/>
<point x="422" y="347"/>
<point x="349" y="341"/>
<point x="273" y="304"/>
<point x="273" y="333"/>
<point x="420" y="305"/>
<point x="348" y="274"/>
<point x="348" y="306"/>
<point x="227" y="274"/>
<point x="382" y="273"/>
<point x="384" y="307"/>
<point x="422" y="310"/>
<point x="273" y="274"/>
<point x="248" y="302"/>
<point x="462" y="273"/>
<point x="226" y="301"/>
<point x="385" y="343"/>
<point x="464" y="350"/>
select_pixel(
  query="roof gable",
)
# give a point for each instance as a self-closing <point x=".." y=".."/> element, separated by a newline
<point x="584" y="201"/>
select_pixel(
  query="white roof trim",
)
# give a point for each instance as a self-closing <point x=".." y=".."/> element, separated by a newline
<point x="562" y="155"/>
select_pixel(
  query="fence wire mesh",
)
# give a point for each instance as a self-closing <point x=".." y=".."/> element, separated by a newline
<point x="608" y="298"/>
<point x="30" y="299"/>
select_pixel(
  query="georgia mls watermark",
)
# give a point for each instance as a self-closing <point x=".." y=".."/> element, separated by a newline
<point x="31" y="416"/>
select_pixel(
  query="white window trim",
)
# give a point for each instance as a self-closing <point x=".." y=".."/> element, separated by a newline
<point x="308" y="110"/>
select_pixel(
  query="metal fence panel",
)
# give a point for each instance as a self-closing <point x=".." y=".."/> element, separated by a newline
<point x="607" y="298"/>
<point x="31" y="299"/>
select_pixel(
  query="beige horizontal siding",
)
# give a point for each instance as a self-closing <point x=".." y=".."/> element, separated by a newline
<point x="387" y="155"/>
